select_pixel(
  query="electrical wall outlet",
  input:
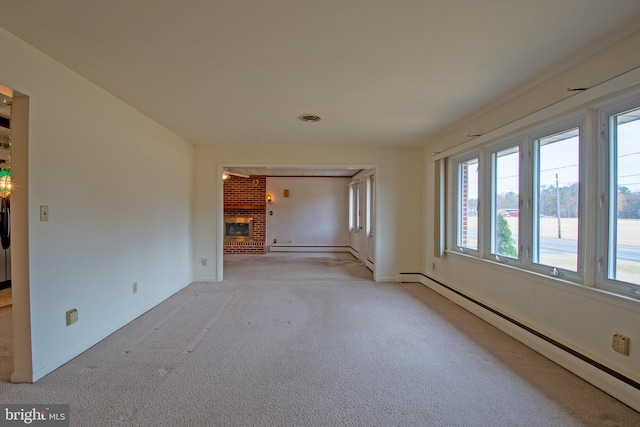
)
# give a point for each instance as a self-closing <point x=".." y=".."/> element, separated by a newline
<point x="203" y="261"/>
<point x="72" y="316"/>
<point x="135" y="287"/>
<point x="620" y="343"/>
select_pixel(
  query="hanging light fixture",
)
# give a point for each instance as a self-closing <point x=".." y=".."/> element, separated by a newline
<point x="5" y="183"/>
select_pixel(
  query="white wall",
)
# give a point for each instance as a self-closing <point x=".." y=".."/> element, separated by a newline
<point x="580" y="317"/>
<point x="315" y="213"/>
<point x="119" y="191"/>
<point x="399" y="173"/>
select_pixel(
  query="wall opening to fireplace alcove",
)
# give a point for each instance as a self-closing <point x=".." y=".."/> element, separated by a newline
<point x="276" y="212"/>
<point x="244" y="215"/>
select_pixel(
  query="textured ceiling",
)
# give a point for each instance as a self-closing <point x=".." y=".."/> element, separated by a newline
<point x="380" y="73"/>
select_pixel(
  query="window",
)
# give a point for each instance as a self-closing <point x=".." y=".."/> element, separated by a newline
<point x="354" y="207"/>
<point x="371" y="205"/>
<point x="505" y="214"/>
<point x="353" y="202"/>
<point x="621" y="261"/>
<point x="555" y="199"/>
<point x="356" y="198"/>
<point x="351" y="207"/>
<point x="468" y="179"/>
<point x="557" y="183"/>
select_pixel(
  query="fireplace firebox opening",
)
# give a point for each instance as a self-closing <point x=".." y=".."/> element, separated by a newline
<point x="238" y="229"/>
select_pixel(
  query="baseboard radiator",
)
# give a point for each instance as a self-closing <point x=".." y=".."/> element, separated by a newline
<point x="614" y="383"/>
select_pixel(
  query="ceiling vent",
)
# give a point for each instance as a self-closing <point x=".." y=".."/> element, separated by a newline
<point x="309" y="118"/>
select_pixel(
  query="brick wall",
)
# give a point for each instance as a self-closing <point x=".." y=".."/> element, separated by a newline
<point x="241" y="195"/>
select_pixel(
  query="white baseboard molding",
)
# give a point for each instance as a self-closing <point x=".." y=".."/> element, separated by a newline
<point x="213" y="279"/>
<point x="409" y="278"/>
<point x="292" y="248"/>
<point x="606" y="379"/>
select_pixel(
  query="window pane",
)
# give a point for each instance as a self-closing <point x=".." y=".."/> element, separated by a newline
<point x="356" y="200"/>
<point x="556" y="213"/>
<point x="351" y="207"/>
<point x="505" y="212"/>
<point x="369" y="204"/>
<point x="624" y="235"/>
<point x="468" y="175"/>
<point x="372" y="204"/>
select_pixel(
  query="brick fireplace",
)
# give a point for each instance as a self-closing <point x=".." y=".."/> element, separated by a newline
<point x="244" y="200"/>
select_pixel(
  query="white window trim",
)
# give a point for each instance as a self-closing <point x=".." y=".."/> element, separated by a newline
<point x="371" y="207"/>
<point x="489" y="200"/>
<point x="351" y="205"/>
<point x="588" y="122"/>
<point x="579" y="121"/>
<point x="587" y="107"/>
<point x="454" y="202"/>
<point x="605" y="111"/>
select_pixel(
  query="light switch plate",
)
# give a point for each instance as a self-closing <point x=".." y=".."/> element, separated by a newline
<point x="44" y="213"/>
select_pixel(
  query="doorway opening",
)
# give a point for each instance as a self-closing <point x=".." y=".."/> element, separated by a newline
<point x="15" y="337"/>
<point x="6" y="308"/>
<point x="306" y="210"/>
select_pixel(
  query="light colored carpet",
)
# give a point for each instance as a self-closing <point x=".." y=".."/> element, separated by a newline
<point x="295" y="266"/>
<point x="316" y="353"/>
<point x="6" y="348"/>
